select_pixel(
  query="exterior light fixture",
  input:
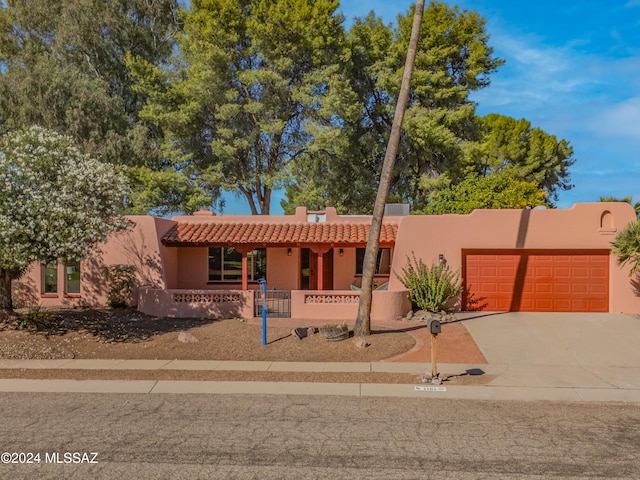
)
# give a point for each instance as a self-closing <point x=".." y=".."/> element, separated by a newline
<point x="341" y="252"/>
<point x="289" y="252"/>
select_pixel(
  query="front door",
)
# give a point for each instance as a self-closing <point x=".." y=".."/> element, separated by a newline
<point x="309" y="270"/>
<point x="327" y="270"/>
<point x="305" y="269"/>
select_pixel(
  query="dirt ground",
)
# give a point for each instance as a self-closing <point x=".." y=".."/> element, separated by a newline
<point x="128" y="334"/>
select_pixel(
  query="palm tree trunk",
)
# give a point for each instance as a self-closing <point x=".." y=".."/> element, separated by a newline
<point x="363" y="322"/>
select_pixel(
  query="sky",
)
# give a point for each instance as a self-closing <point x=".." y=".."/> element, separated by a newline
<point x="572" y="69"/>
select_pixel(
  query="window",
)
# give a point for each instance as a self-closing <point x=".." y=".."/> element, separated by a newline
<point x="257" y="263"/>
<point x="50" y="278"/>
<point x="225" y="264"/>
<point x="72" y="278"/>
<point x="383" y="264"/>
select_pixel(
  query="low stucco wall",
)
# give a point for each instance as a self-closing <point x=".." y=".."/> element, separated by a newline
<point x="196" y="303"/>
<point x="305" y="304"/>
<point x="343" y="304"/>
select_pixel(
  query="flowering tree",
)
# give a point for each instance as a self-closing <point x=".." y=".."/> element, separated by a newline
<point x="55" y="203"/>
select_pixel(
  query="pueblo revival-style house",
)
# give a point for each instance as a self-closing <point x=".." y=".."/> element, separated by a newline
<point x="208" y="265"/>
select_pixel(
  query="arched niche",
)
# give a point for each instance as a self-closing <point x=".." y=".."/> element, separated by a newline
<point x="607" y="223"/>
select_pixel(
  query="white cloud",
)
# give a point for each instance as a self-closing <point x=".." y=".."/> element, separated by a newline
<point x="588" y="99"/>
<point x="621" y="120"/>
<point x="535" y="76"/>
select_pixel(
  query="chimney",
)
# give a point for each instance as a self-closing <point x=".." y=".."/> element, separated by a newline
<point x="203" y="212"/>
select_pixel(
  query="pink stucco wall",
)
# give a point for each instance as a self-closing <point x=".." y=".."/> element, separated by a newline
<point x="342" y="305"/>
<point x="344" y="268"/>
<point x="138" y="246"/>
<point x="584" y="226"/>
<point x="283" y="270"/>
<point x="196" y="303"/>
<point x="193" y="267"/>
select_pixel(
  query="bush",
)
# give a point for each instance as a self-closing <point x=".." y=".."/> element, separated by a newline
<point x="430" y="288"/>
<point x="626" y="247"/>
<point x="120" y="279"/>
<point x="36" y="318"/>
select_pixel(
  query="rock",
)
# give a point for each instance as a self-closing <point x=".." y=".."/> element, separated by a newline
<point x="300" y="332"/>
<point x="335" y="334"/>
<point x="410" y="316"/>
<point x="362" y="344"/>
<point x="186" y="337"/>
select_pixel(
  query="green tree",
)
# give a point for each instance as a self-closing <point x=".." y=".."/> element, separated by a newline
<point x="55" y="203"/>
<point x="454" y="60"/>
<point x="342" y="164"/>
<point x="170" y="189"/>
<point x="349" y="138"/>
<point x="499" y="190"/>
<point x="249" y="76"/>
<point x="532" y="154"/>
<point x="62" y="66"/>
<point x="512" y="165"/>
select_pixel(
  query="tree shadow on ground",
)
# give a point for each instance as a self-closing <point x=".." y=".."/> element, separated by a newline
<point x="117" y="325"/>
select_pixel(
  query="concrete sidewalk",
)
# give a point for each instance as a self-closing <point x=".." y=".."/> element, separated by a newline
<point x="533" y="382"/>
<point x="531" y="356"/>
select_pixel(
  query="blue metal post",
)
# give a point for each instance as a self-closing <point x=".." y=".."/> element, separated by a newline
<point x="263" y="285"/>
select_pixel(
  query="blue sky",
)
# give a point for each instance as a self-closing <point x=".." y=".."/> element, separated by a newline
<point x="572" y="69"/>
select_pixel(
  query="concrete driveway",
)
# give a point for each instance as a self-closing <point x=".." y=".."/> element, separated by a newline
<point x="563" y="349"/>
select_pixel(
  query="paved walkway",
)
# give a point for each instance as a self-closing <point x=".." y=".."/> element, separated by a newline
<point x="557" y="357"/>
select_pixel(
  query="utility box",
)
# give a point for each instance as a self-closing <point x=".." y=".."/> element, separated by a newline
<point x="434" y="326"/>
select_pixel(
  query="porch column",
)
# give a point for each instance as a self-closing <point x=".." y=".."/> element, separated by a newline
<point x="245" y="272"/>
<point x="245" y="265"/>
<point x="320" y="272"/>
<point x="320" y="251"/>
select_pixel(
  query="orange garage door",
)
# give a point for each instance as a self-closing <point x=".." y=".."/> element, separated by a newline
<point x="536" y="280"/>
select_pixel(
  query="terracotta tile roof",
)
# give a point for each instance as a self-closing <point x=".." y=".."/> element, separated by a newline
<point x="266" y="234"/>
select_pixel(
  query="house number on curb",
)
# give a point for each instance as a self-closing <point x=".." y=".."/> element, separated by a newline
<point x="420" y="388"/>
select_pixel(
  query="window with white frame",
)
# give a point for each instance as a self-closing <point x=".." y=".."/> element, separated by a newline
<point x="383" y="263"/>
<point x="225" y="264"/>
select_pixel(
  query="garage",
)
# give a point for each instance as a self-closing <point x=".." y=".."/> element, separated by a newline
<point x="536" y="280"/>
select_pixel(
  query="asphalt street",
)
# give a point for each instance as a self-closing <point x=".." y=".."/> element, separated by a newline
<point x="306" y="437"/>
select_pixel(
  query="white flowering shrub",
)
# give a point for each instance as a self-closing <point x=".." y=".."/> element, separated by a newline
<point x="55" y="202"/>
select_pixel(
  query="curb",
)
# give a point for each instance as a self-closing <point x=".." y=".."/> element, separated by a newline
<point x="485" y="392"/>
